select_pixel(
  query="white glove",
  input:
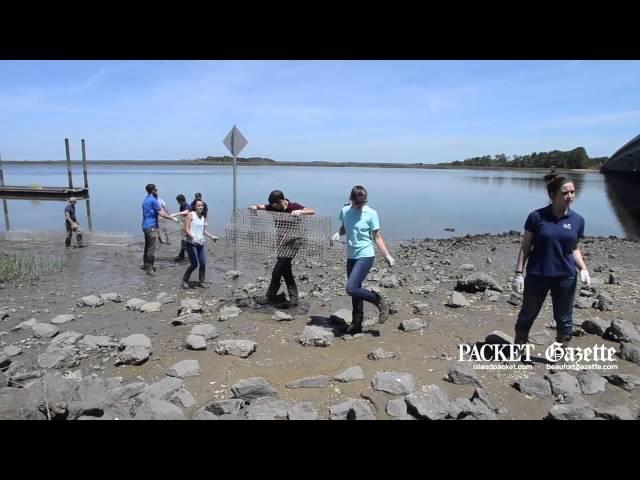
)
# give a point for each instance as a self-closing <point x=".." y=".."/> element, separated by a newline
<point x="296" y="212"/>
<point x="175" y="219"/>
<point x="253" y="207"/>
<point x="518" y="283"/>
<point x="584" y="277"/>
<point x="335" y="237"/>
<point x="390" y="260"/>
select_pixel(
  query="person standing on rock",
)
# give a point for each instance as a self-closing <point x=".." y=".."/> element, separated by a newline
<point x="286" y="250"/>
<point x="361" y="225"/>
<point x="183" y="209"/>
<point x="71" y="223"/>
<point x="550" y="251"/>
<point x="151" y="209"/>
<point x="195" y="229"/>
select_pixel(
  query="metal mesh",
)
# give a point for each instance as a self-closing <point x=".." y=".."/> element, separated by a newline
<point x="286" y="235"/>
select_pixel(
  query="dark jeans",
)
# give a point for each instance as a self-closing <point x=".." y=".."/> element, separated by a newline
<point x="282" y="269"/>
<point x="357" y="271"/>
<point x="563" y="290"/>
<point x="149" y="255"/>
<point x="197" y="255"/>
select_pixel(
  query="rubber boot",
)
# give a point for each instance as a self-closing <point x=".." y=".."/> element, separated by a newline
<point x="383" y="308"/>
<point x="185" y="281"/>
<point x="293" y="294"/>
<point x="79" y="240"/>
<point x="271" y="296"/>
<point x="357" y="318"/>
<point x="201" y="275"/>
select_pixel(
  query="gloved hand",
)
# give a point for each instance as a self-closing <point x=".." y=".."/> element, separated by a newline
<point x="175" y="219"/>
<point x="584" y="277"/>
<point x="390" y="260"/>
<point x="253" y="207"/>
<point x="296" y="212"/>
<point x="335" y="237"/>
<point x="518" y="283"/>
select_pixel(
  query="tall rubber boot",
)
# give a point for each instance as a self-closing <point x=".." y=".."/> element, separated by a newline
<point x="201" y="276"/>
<point x="383" y="308"/>
<point x="356" y="323"/>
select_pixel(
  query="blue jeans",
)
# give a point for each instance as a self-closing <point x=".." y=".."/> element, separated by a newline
<point x="563" y="290"/>
<point x="197" y="254"/>
<point x="357" y="271"/>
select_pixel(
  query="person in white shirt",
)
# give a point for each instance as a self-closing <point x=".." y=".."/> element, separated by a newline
<point x="195" y="230"/>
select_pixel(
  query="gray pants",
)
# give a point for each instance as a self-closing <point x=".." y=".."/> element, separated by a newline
<point x="70" y="231"/>
<point x="149" y="255"/>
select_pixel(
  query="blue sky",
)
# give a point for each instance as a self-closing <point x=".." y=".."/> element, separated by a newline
<point x="380" y="111"/>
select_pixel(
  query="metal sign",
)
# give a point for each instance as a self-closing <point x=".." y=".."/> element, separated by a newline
<point x="235" y="141"/>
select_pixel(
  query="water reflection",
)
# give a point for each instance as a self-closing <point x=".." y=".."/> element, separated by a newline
<point x="36" y="202"/>
<point x="534" y="181"/>
<point x="622" y="191"/>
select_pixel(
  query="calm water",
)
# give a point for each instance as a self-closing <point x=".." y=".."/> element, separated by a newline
<point x="411" y="203"/>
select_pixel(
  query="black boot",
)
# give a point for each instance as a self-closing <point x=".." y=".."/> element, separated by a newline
<point x="67" y="242"/>
<point x="148" y="268"/>
<point x="271" y="296"/>
<point x="522" y="338"/>
<point x="79" y="240"/>
<point x="180" y="256"/>
<point x="356" y="323"/>
<point x="201" y="275"/>
<point x="293" y="295"/>
<point x="564" y="340"/>
<point x="383" y="309"/>
<point x="185" y="281"/>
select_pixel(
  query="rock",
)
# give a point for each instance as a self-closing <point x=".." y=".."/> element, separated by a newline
<point x="413" y="324"/>
<point x="583" y="303"/>
<point x="5" y="361"/>
<point x="315" y="336"/>
<point x="571" y="412"/>
<point x="456" y="300"/>
<point x="302" y="411"/>
<point x="204" y="415"/>
<point x="133" y="356"/>
<point x="467" y="267"/>
<point x="162" y="390"/>
<point x="390" y="281"/>
<point x="341" y="317"/>
<point x="63" y="357"/>
<point x="68" y="339"/>
<point x="490" y="296"/>
<point x="4" y="380"/>
<point x="232" y="275"/>
<point x="90" y="301"/>
<point x="462" y="374"/>
<point x="206" y="330"/>
<point x="498" y="338"/>
<point x="596" y="326"/>
<point x="134" y="304"/>
<point x="228" y="312"/>
<point x="92" y="341"/>
<point x="164" y="298"/>
<point x="254" y="387"/>
<point x="135" y="340"/>
<point x="463" y="409"/>
<point x="396" y="407"/>
<point x="515" y="299"/>
<point x="396" y="383"/>
<point x="622" y="331"/>
<point x="541" y="337"/>
<point x="423" y="290"/>
<point x="563" y="383"/>
<point x="185" y="369"/>
<point x="351" y="410"/>
<point x="44" y="330"/>
<point x="535" y="386"/>
<point x="12" y="350"/>
<point x="591" y="383"/>
<point x="380" y="354"/>
<point x="25" y="325"/>
<point x="186" y="319"/>
<point x="629" y="352"/>
<point x="421" y="308"/>
<point x="196" y="342"/>
<point x="151" y="307"/>
<point x="351" y="374"/>
<point x="319" y="381"/>
<point x="230" y="406"/>
<point x="617" y="412"/>
<point x="478" y="282"/>
<point x="159" y="410"/>
<point x="281" y="316"/>
<point x="267" y="408"/>
<point x="183" y="398"/>
<point x="190" y="305"/>
<point x="430" y="403"/>
<point x="112" y="297"/>
<point x="238" y="348"/>
<point x="481" y="395"/>
<point x="60" y="319"/>
<point x="604" y="302"/>
<point x="623" y="380"/>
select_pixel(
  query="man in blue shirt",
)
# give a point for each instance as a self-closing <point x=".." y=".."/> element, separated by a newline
<point x="150" y="210"/>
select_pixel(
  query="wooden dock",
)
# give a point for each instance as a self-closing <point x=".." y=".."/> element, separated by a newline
<point x="53" y="193"/>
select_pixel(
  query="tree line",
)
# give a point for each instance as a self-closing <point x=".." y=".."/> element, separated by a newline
<point x="576" y="158"/>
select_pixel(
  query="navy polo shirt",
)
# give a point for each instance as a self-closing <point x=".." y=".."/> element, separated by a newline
<point x="553" y="241"/>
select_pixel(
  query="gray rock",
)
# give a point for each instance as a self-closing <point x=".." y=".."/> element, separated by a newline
<point x="136" y="340"/>
<point x="319" y="381"/>
<point x="92" y="341"/>
<point x="90" y="301"/>
<point x="430" y="403"/>
<point x="151" y="307"/>
<point x="267" y="408"/>
<point x="396" y="383"/>
<point x="232" y="274"/>
<point x="351" y="374"/>
<point x="490" y="296"/>
<point x="595" y="326"/>
<point x="44" y="330"/>
<point x="463" y="409"/>
<point x="165" y="298"/>
<point x="303" y="411"/>
<point x="228" y="312"/>
<point x="617" y="412"/>
<point x="421" y="308"/>
<point x="629" y="352"/>
<point x="515" y="299"/>
<point x="254" y="387"/>
<point x="134" y="304"/>
<point x="162" y="390"/>
<point x="456" y="300"/>
<point x="183" y="399"/>
<point x="583" y="303"/>
<point x="380" y="354"/>
<point x="467" y="267"/>
<point x="231" y="417"/>
<point x="12" y="350"/>
<point x="65" y="339"/>
<point x="4" y="380"/>
<point x="315" y="336"/>
<point x="462" y="374"/>
<point x="237" y="348"/>
<point x="342" y="317"/>
<point x="604" y="302"/>
<point x="571" y="412"/>
<point x="413" y="324"/>
<point x="186" y="319"/>
<point x="159" y="410"/>
<point x="204" y="415"/>
<point x="112" y="297"/>
<point x="535" y="386"/>
<point x="133" y="356"/>
<point x="281" y="316"/>
<point x="423" y="290"/>
<point x="230" y="406"/>
<point x="478" y="282"/>
<point x="498" y="338"/>
<point x="623" y="380"/>
<point x="541" y="337"/>
<point x="591" y="383"/>
<point x="60" y="319"/>
<point x="5" y="361"/>
<point x="63" y="357"/>
<point x="185" y="369"/>
<point x="351" y="410"/>
<point x="481" y="395"/>
<point x="196" y="342"/>
<point x="190" y="305"/>
<point x="396" y="407"/>
<point x="390" y="281"/>
<point x="25" y="325"/>
<point x="206" y="330"/>
<point x="622" y="331"/>
<point x="563" y="383"/>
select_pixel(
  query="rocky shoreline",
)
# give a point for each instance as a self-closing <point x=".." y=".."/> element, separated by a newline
<point x="102" y="340"/>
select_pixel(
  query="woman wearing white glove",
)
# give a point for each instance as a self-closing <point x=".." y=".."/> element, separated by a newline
<point x="361" y="225"/>
<point x="195" y="229"/>
<point x="549" y="249"/>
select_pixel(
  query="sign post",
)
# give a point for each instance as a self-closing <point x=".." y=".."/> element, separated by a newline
<point x="235" y="142"/>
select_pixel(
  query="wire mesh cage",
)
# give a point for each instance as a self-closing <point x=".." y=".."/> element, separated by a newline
<point x="261" y="232"/>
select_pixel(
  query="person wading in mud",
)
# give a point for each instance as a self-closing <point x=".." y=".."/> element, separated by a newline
<point x="71" y="223"/>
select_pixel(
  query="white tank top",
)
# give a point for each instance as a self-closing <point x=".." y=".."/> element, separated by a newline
<point x="197" y="226"/>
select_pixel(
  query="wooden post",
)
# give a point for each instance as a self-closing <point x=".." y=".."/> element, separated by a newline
<point x="66" y="145"/>
<point x="84" y="166"/>
<point x="7" y="225"/>
<point x="89" y="214"/>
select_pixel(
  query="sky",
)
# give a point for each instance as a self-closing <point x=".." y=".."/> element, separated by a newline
<point x="356" y="111"/>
